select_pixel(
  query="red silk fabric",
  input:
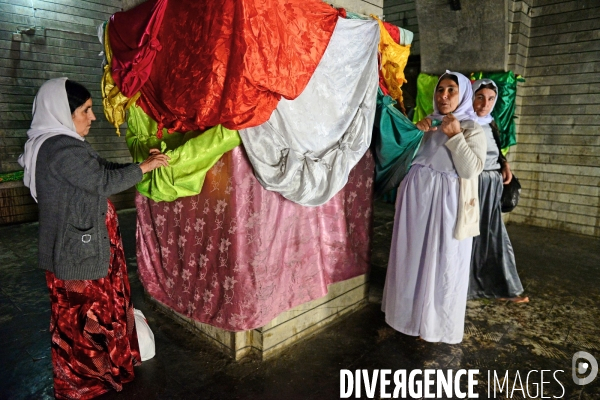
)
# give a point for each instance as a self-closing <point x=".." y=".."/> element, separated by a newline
<point x="94" y="341"/>
<point x="393" y="30"/>
<point x="229" y="61"/>
<point x="133" y="36"/>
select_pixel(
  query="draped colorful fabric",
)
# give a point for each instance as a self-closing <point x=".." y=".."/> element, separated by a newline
<point x="397" y="140"/>
<point x="236" y="255"/>
<point x="393" y="59"/>
<point x="191" y="155"/>
<point x="94" y="341"/>
<point x="134" y="40"/>
<point x="242" y="57"/>
<point x="504" y="110"/>
<point x="424" y="103"/>
<point x="114" y="102"/>
<point x="309" y="145"/>
<point x="393" y="31"/>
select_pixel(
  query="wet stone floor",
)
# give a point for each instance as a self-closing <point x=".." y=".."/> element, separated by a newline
<point x="560" y="273"/>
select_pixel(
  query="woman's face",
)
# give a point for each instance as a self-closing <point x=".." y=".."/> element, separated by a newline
<point x="83" y="117"/>
<point x="484" y="101"/>
<point x="446" y="96"/>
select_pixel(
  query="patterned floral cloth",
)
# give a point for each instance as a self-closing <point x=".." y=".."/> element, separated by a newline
<point x="94" y="341"/>
<point x="237" y="255"/>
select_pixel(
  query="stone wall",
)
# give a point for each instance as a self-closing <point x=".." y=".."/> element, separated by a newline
<point x="55" y="40"/>
<point x="558" y="155"/>
<point x="470" y="39"/>
<point x="403" y="13"/>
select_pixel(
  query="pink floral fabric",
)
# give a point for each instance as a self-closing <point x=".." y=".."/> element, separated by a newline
<point x="236" y="255"/>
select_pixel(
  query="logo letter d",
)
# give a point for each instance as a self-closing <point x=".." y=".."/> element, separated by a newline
<point x="582" y="367"/>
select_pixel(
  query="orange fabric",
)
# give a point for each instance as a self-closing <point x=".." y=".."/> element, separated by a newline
<point x="229" y="62"/>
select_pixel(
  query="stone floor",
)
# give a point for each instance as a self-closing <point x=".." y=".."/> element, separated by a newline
<point x="560" y="271"/>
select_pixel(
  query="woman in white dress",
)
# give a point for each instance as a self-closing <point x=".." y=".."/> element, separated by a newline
<point x="437" y="214"/>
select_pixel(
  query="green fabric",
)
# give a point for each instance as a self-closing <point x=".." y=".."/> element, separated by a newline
<point x="192" y="155"/>
<point x="396" y="140"/>
<point x="11" y="176"/>
<point x="504" y="110"/>
<point x="351" y="15"/>
<point x="424" y="103"/>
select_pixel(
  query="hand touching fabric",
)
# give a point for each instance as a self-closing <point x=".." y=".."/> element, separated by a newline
<point x="425" y="125"/>
<point x="155" y="160"/>
<point x="451" y="126"/>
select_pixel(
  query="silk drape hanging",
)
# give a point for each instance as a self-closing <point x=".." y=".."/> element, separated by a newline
<point x="224" y="62"/>
<point x="309" y="145"/>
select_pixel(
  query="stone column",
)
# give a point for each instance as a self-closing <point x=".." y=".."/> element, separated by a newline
<point x="474" y="38"/>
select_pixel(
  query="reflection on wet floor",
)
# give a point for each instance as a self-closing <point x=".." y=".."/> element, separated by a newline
<point x="560" y="272"/>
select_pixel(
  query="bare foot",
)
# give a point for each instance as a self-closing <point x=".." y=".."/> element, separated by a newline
<point x="517" y="299"/>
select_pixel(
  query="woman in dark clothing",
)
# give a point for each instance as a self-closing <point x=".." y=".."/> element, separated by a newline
<point x="493" y="268"/>
<point x="94" y="342"/>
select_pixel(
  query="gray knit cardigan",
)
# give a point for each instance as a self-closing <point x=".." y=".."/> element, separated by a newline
<point x="73" y="183"/>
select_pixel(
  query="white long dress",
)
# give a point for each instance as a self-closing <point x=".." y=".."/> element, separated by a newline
<point x="425" y="291"/>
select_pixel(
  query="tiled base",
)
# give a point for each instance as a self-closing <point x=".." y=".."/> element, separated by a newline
<point x="288" y="327"/>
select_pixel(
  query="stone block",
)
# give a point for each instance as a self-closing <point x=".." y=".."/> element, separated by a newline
<point x="287" y="328"/>
<point x="453" y="39"/>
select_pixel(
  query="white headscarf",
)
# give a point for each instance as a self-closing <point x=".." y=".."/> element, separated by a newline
<point x="486" y="119"/>
<point x="464" y="111"/>
<point x="51" y="117"/>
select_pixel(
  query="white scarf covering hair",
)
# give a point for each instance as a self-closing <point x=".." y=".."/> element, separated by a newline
<point x="486" y="119"/>
<point x="464" y="111"/>
<point x="51" y="117"/>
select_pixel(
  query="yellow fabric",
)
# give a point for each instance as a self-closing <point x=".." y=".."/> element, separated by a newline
<point x="394" y="57"/>
<point x="115" y="103"/>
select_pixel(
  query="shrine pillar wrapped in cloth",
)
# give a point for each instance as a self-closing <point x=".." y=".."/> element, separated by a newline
<point x="260" y="238"/>
<point x="250" y="269"/>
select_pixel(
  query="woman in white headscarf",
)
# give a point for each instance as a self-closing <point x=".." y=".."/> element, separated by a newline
<point x="94" y="342"/>
<point x="493" y="267"/>
<point x="437" y="214"/>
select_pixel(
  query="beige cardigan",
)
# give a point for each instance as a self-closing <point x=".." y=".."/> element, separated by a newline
<point x="468" y="151"/>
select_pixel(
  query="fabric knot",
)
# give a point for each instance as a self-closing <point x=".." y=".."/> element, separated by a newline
<point x="159" y="130"/>
<point x="154" y="44"/>
<point x="176" y="127"/>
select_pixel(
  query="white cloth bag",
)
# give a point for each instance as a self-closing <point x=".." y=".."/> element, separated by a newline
<point x="145" y="335"/>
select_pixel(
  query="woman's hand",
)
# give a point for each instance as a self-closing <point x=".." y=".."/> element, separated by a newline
<point x="155" y="159"/>
<point x="451" y="126"/>
<point x="506" y="173"/>
<point x="425" y="125"/>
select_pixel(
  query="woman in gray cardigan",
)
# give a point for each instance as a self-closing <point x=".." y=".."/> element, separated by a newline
<point x="94" y="342"/>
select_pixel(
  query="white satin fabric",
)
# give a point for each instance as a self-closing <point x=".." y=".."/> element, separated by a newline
<point x="307" y="148"/>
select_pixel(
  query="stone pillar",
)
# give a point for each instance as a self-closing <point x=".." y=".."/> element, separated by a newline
<point x="474" y="38"/>
<point x="128" y="4"/>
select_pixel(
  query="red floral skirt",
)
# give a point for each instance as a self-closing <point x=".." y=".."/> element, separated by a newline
<point x="94" y="342"/>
